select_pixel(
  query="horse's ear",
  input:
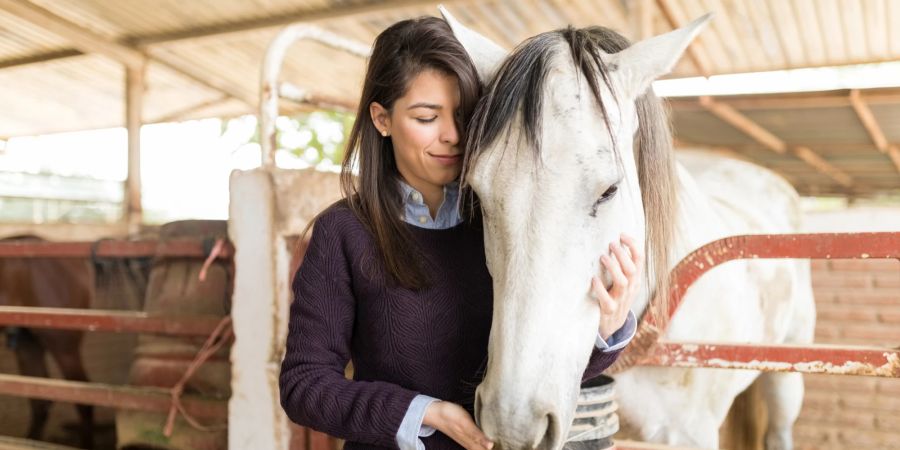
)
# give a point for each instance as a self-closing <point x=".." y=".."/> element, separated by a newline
<point x="486" y="55"/>
<point x="638" y="65"/>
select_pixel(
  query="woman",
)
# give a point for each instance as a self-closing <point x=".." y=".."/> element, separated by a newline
<point x="395" y="279"/>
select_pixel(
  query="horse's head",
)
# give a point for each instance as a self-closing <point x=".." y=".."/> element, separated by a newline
<point x="553" y="165"/>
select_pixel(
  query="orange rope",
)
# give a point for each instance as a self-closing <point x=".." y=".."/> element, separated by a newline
<point x="217" y="249"/>
<point x="222" y="334"/>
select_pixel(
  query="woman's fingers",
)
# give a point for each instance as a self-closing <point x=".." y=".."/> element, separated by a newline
<point x="624" y="269"/>
<point x="476" y="439"/>
<point x="625" y="262"/>
<point x="480" y="439"/>
<point x="598" y="291"/>
<point x="462" y="429"/>
<point x="637" y="257"/>
<point x="620" y="281"/>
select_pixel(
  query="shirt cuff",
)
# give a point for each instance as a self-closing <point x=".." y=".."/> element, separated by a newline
<point x="621" y="337"/>
<point x="411" y="428"/>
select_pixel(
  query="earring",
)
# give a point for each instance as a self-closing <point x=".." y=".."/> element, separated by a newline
<point x="384" y="133"/>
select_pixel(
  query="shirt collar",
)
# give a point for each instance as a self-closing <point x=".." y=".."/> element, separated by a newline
<point x="411" y="195"/>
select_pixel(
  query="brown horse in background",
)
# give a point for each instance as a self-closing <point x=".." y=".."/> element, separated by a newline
<point x="48" y="282"/>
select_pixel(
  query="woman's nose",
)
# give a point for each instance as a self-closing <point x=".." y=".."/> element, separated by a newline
<point x="450" y="134"/>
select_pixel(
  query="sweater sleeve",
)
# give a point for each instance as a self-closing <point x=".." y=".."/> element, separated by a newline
<point x="600" y="360"/>
<point x="314" y="391"/>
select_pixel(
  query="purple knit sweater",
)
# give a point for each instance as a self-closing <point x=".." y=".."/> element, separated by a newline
<point x="402" y="342"/>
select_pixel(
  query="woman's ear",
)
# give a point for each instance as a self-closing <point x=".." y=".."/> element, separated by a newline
<point x="381" y="118"/>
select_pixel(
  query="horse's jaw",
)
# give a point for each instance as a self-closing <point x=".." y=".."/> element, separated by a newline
<point x="528" y="397"/>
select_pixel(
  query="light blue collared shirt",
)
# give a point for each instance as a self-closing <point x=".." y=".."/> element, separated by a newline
<point x="416" y="213"/>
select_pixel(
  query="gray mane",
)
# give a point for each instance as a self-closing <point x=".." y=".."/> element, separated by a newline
<point x="519" y="82"/>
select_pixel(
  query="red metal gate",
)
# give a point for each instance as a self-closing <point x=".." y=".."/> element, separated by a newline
<point x="123" y="397"/>
<point x="830" y="359"/>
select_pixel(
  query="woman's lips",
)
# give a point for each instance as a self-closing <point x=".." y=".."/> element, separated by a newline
<point x="447" y="160"/>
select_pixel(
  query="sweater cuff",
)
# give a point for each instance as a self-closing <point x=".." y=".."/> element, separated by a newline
<point x="621" y="337"/>
<point x="411" y="428"/>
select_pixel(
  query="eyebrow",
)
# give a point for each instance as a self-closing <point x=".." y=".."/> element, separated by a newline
<point x="425" y="105"/>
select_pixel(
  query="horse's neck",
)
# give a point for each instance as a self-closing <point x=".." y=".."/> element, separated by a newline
<point x="727" y="197"/>
<point x="694" y="221"/>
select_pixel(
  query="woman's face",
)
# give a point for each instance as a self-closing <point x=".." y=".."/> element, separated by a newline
<point x="422" y="128"/>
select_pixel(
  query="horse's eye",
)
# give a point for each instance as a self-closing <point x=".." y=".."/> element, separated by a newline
<point x="610" y="193"/>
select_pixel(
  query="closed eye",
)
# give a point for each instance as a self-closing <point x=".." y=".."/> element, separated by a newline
<point x="605" y="197"/>
<point x="429" y="120"/>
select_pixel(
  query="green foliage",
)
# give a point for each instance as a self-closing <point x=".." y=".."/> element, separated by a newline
<point x="313" y="137"/>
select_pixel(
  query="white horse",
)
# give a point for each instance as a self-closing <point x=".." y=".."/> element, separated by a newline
<point x="570" y="149"/>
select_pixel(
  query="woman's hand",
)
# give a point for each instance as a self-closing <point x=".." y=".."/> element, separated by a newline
<point x="454" y="421"/>
<point x="625" y="272"/>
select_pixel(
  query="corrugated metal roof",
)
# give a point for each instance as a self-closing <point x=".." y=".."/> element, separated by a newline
<point x="825" y="123"/>
<point x="205" y="58"/>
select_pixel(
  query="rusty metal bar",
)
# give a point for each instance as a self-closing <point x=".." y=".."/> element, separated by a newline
<point x="269" y="86"/>
<point x="830" y="359"/>
<point x="122" y="397"/>
<point x="109" y="249"/>
<point x="107" y="320"/>
<point x="813" y="359"/>
<point x="815" y="245"/>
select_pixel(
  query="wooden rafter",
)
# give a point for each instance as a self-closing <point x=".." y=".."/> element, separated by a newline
<point x="732" y="153"/>
<point x="645" y="19"/>
<point x="743" y="123"/>
<point x="82" y="38"/>
<point x="185" y="112"/>
<point x="133" y="58"/>
<point x="212" y="82"/>
<point x="813" y="159"/>
<point x="218" y="30"/>
<point x="40" y="57"/>
<point x="868" y="120"/>
<point x="832" y="99"/>
<point x="701" y="62"/>
<point x="280" y="20"/>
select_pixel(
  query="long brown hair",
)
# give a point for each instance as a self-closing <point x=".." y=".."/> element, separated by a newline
<point x="399" y="54"/>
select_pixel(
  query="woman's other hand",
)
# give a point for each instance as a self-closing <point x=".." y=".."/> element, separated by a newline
<point x="454" y="421"/>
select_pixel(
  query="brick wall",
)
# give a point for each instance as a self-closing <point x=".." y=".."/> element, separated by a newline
<point x="858" y="303"/>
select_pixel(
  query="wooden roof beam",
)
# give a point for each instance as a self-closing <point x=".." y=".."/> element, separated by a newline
<point x="730" y="152"/>
<point x="875" y="132"/>
<point x="180" y="114"/>
<point x="772" y="142"/>
<point x="40" y="57"/>
<point x="90" y="42"/>
<point x="829" y="99"/>
<point x="136" y="42"/>
<point x="280" y="20"/>
<point x="813" y="159"/>
<point x="868" y="120"/>
<point x="82" y="38"/>
<point x="701" y="62"/>
<point x="744" y="123"/>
